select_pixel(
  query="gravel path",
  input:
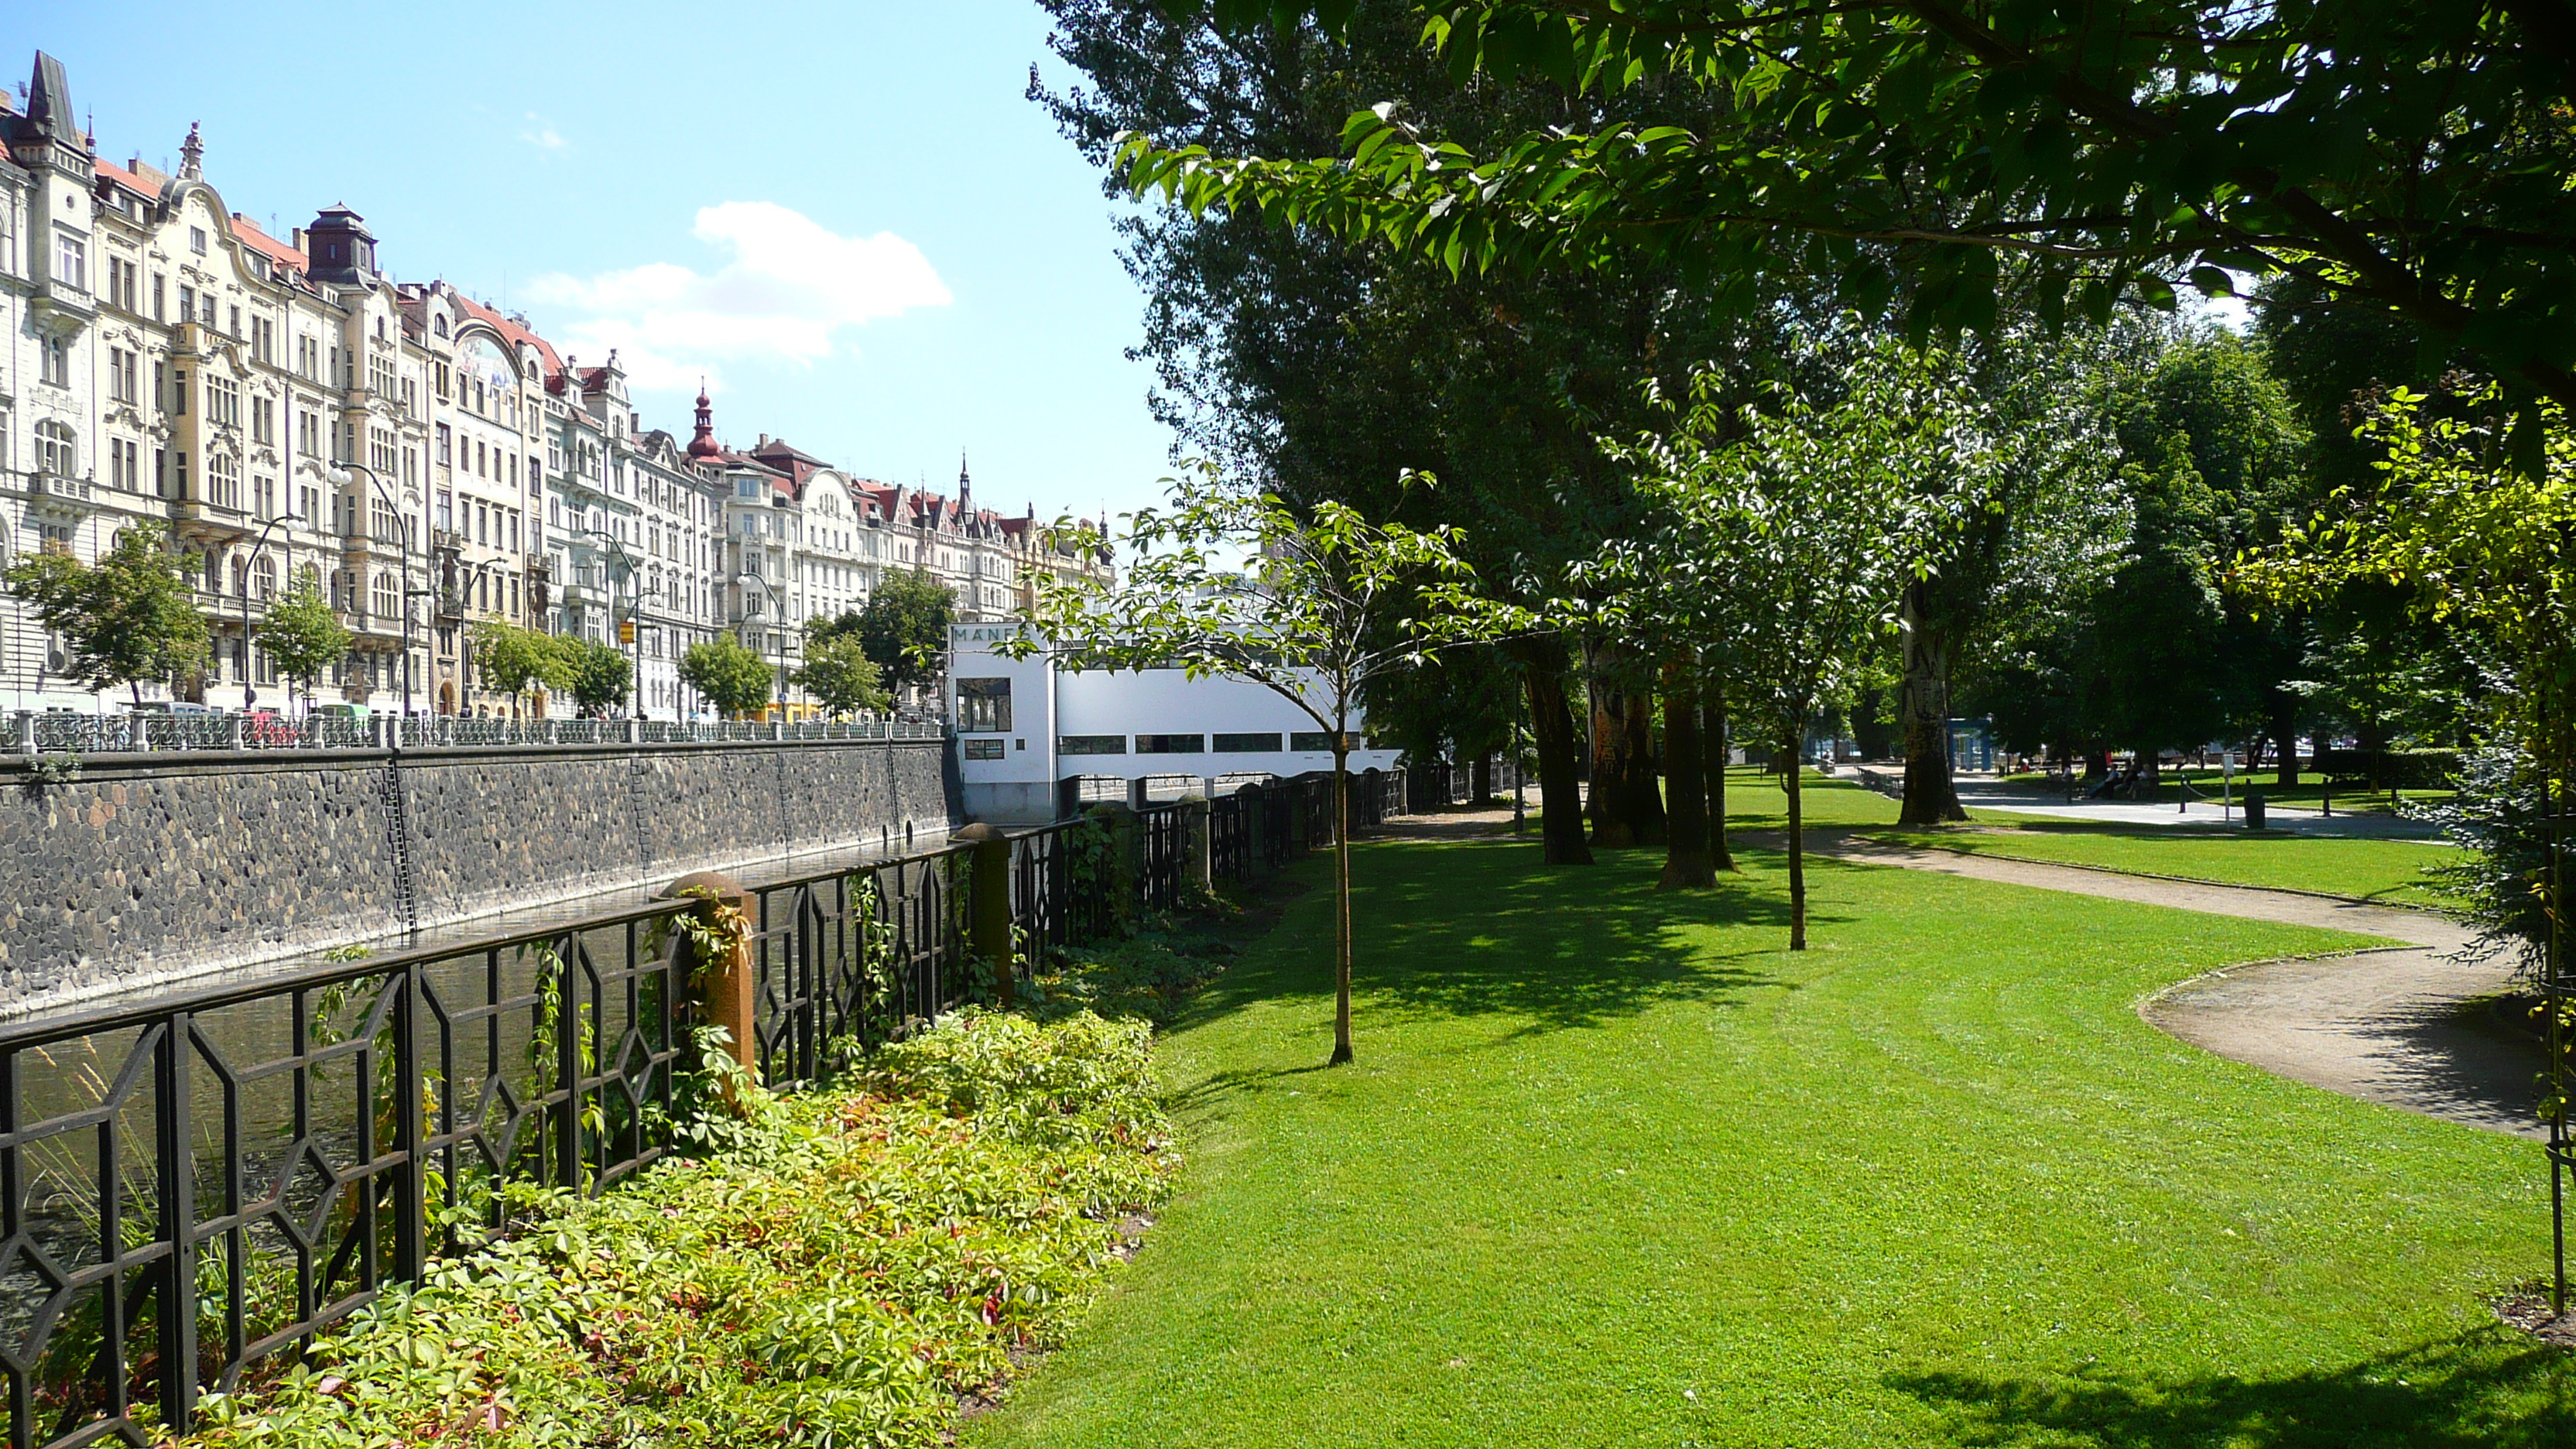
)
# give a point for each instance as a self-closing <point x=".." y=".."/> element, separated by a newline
<point x="2385" y="1026"/>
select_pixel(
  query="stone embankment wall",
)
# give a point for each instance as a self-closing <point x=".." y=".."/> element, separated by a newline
<point x="148" y="866"/>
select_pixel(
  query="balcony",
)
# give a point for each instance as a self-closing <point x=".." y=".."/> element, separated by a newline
<point x="578" y="594"/>
<point x="58" y="489"/>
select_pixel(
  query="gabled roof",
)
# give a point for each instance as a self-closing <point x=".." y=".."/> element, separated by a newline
<point x="517" y="334"/>
<point x="247" y="232"/>
<point x="133" y="180"/>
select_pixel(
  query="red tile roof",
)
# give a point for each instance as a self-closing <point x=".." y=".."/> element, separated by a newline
<point x="517" y="334"/>
<point x="247" y="232"/>
<point x="127" y="179"/>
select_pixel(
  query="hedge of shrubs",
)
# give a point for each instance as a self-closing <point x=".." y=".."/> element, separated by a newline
<point x="839" y="1269"/>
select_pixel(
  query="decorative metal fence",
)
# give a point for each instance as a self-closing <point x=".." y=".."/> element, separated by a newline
<point x="55" y="732"/>
<point x="196" y="1186"/>
<point x="191" y="1188"/>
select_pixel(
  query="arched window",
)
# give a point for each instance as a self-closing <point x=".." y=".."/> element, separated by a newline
<point x="241" y="579"/>
<point x="264" y="578"/>
<point x="438" y="325"/>
<point x="56" y="451"/>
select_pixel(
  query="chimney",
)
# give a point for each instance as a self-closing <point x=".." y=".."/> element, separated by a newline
<point x="764" y="441"/>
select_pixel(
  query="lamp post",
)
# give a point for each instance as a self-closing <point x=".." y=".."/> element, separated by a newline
<point x="772" y="592"/>
<point x="339" y="476"/>
<point x="256" y="547"/>
<point x="635" y="602"/>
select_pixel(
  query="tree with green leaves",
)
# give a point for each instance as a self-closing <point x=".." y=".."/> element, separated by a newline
<point x="524" y="662"/>
<point x="1232" y="584"/>
<point x="903" y="629"/>
<point x="729" y="674"/>
<point x="840" y="676"/>
<point x="302" y="635"/>
<point x="2401" y="158"/>
<point x="2476" y="546"/>
<point x="1318" y="368"/>
<point x="129" y="618"/>
<point x="1789" y="533"/>
<point x="597" y="674"/>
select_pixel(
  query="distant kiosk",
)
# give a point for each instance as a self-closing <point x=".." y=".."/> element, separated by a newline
<point x="1036" y="740"/>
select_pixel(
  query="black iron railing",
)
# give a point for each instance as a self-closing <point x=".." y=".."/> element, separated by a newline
<point x="192" y="1188"/>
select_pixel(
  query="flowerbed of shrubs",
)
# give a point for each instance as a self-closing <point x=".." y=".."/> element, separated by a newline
<point x="838" y="1270"/>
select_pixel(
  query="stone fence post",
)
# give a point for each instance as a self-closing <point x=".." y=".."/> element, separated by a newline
<point x="24" y="742"/>
<point x="989" y="907"/>
<point x="728" y="991"/>
<point x="1197" y="855"/>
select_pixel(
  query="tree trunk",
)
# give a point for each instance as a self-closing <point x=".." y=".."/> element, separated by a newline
<point x="1686" y="857"/>
<point x="1797" y="851"/>
<point x="1553" y="737"/>
<point x="1643" y="798"/>
<point x="1341" y="899"/>
<point x="1923" y="708"/>
<point x="2285" y="737"/>
<point x="1610" y="822"/>
<point x="1713" y="753"/>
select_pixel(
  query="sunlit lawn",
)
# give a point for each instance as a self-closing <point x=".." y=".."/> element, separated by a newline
<point x="1615" y="1169"/>
<point x="2391" y="872"/>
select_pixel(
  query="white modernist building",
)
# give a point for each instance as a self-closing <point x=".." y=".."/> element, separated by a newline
<point x="1026" y="726"/>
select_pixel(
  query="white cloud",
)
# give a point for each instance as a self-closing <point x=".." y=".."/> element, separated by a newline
<point x="791" y="287"/>
<point x="541" y="134"/>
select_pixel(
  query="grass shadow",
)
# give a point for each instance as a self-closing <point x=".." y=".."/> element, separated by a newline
<point x="2491" y="1388"/>
<point x="1559" y="948"/>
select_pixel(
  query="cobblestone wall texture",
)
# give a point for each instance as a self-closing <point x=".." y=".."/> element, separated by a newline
<point x="147" y="866"/>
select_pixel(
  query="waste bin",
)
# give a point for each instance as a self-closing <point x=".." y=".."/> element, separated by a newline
<point x="2253" y="810"/>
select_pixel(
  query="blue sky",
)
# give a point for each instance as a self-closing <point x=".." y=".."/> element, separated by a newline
<point x="846" y="215"/>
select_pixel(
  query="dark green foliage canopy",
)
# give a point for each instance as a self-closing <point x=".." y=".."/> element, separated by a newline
<point x="129" y="618"/>
<point x="2400" y="157"/>
<point x="733" y="677"/>
<point x="903" y="630"/>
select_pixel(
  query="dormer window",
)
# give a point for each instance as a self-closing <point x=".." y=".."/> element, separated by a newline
<point x="197" y="240"/>
<point x="438" y="325"/>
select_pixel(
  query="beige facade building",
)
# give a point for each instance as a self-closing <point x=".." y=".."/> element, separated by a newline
<point x="283" y="405"/>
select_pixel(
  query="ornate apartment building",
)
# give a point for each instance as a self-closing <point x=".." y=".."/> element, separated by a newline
<point x="285" y="405"/>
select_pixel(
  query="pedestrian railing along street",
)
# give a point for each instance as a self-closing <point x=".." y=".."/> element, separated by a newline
<point x="64" y="731"/>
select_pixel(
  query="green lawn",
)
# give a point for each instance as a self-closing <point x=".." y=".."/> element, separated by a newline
<point x="2387" y="871"/>
<point x="1614" y="1169"/>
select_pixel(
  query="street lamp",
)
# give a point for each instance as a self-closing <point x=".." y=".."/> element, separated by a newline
<point x="781" y="613"/>
<point x="338" y="476"/>
<point x="257" y="546"/>
<point x="635" y="603"/>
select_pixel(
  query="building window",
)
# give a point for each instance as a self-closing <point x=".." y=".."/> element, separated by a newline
<point x="1318" y="741"/>
<point x="263" y="579"/>
<point x="263" y="420"/>
<point x="1092" y="745"/>
<point x="1247" y="744"/>
<point x="1171" y="744"/>
<point x="223" y="481"/>
<point x="71" y="261"/>
<point x="223" y="401"/>
<point x="121" y="374"/>
<point x="388" y="601"/>
<point x="984" y="749"/>
<point x="125" y="463"/>
<point x="984" y="705"/>
<point x="197" y="240"/>
<point x="55" y="451"/>
<point x="54" y="357"/>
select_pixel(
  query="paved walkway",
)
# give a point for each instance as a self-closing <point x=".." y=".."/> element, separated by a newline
<point x="2199" y="814"/>
<point x="2385" y="1025"/>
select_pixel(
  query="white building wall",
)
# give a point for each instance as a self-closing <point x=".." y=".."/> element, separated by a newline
<point x="1012" y="774"/>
